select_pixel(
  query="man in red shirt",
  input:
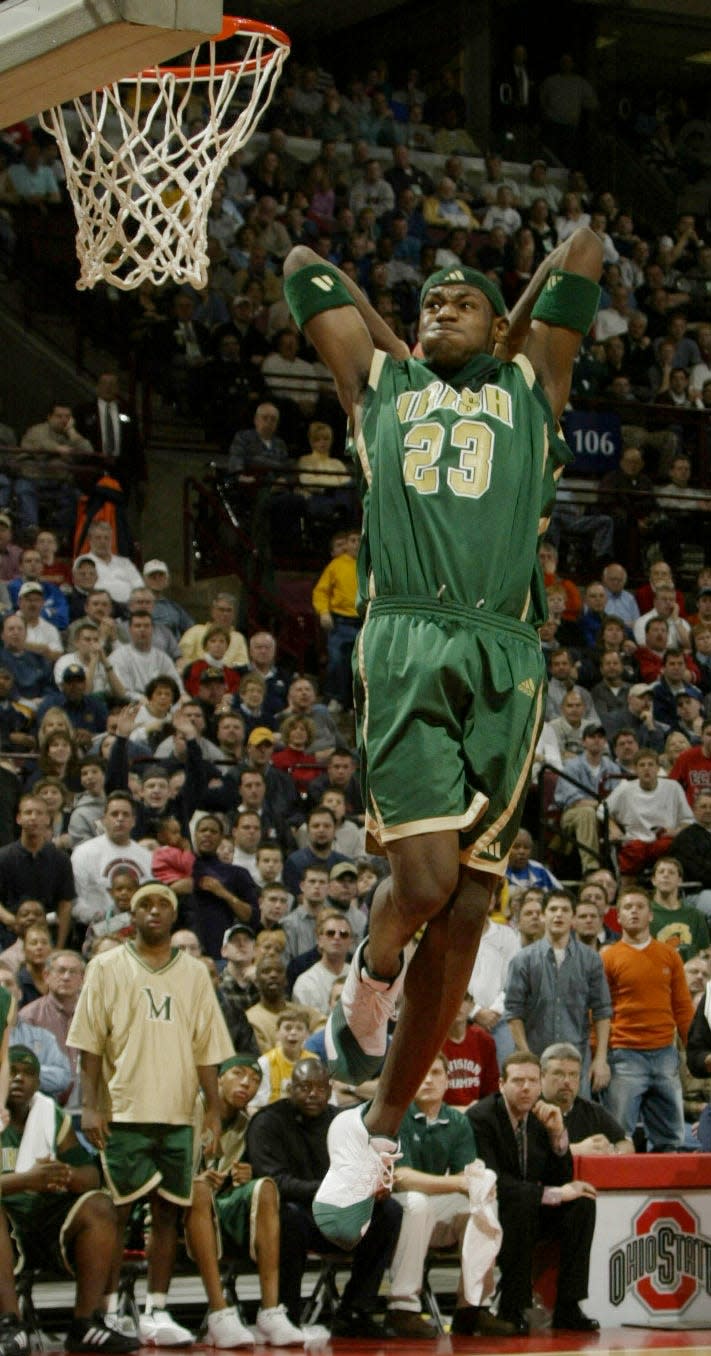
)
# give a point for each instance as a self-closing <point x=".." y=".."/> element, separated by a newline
<point x="692" y="768"/>
<point x="471" y="1056"/>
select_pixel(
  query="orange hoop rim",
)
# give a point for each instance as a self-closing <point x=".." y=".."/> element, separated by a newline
<point x="231" y="26"/>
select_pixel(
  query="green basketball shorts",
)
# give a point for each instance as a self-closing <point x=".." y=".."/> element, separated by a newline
<point x="450" y="706"/>
<point x="142" y="1158"/>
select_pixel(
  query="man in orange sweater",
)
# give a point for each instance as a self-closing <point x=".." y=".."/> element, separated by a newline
<point x="650" y="1003"/>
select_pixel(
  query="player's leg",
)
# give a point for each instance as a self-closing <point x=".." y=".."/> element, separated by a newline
<point x="157" y="1327"/>
<point x="363" y="1145"/>
<point x="92" y="1236"/>
<point x="273" y="1323"/>
<point x="164" y="1243"/>
<point x="200" y="1237"/>
<point x="224" y="1327"/>
<point x="267" y="1240"/>
<point x="14" y="1339"/>
<point x="425" y="875"/>
<point x="435" y="985"/>
<point x="89" y="1238"/>
<point x="8" y="1293"/>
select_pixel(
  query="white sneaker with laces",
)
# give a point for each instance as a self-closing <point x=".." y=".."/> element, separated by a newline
<point x="357" y="1030"/>
<point x="225" y="1329"/>
<point x="275" y="1327"/>
<point x="159" y="1329"/>
<point x="361" y="1166"/>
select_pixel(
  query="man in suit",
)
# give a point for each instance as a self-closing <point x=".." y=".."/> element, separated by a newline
<point x="259" y="447"/>
<point x="524" y="1140"/>
<point x="111" y="427"/>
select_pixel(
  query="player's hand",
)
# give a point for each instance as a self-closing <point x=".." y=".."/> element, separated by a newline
<point x="572" y="1190"/>
<point x="48" y="1174"/>
<point x="213" y="1178"/>
<point x="95" y="1127"/>
<point x="241" y="1173"/>
<point x="594" y="1144"/>
<point x="599" y="1074"/>
<point x="550" y="1117"/>
<point x="326" y="621"/>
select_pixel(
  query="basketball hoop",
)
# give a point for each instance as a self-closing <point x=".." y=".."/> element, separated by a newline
<point x="141" y="182"/>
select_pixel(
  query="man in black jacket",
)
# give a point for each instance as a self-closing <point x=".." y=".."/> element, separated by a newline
<point x="525" y="1142"/>
<point x="287" y="1142"/>
<point x="692" y="847"/>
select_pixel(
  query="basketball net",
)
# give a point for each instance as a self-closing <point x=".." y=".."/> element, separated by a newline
<point x="140" y="181"/>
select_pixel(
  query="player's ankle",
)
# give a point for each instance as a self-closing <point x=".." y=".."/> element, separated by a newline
<point x="381" y="1127"/>
<point x="384" y="974"/>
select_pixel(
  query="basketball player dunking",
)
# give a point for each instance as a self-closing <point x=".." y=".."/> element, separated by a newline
<point x="457" y="455"/>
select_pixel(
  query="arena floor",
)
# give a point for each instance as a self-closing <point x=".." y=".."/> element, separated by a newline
<point x="187" y="1303"/>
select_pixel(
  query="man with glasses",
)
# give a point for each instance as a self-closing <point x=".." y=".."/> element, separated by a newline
<point x="64" y="973"/>
<point x="333" y="940"/>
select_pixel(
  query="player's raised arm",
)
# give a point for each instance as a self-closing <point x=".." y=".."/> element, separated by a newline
<point x="338" y="320"/>
<point x="556" y="310"/>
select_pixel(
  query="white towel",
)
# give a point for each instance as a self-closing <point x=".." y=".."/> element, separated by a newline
<point x="39" y="1135"/>
<point x="482" y="1236"/>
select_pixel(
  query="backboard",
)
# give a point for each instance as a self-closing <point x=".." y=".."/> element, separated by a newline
<point x="55" y="50"/>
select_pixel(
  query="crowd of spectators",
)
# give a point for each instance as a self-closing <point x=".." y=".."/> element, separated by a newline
<point x="391" y="191"/>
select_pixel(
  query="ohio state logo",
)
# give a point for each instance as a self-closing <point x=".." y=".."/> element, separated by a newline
<point x="665" y="1262"/>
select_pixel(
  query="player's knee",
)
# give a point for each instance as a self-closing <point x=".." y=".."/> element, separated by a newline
<point x="268" y="1201"/>
<point x="98" y="1211"/>
<point x="425" y="893"/>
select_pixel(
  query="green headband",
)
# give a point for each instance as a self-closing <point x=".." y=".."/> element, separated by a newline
<point x="243" y="1062"/>
<point x="21" y="1054"/>
<point x="470" y="276"/>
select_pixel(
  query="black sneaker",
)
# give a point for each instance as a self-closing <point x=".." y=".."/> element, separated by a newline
<point x="14" y="1337"/>
<point x="94" y="1334"/>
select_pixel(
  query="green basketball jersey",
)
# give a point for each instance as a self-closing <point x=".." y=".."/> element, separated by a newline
<point x="458" y="480"/>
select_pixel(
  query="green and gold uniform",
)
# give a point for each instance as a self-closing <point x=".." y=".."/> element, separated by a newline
<point x="234" y="1207"/>
<point x="39" y="1220"/>
<point x="154" y="1029"/>
<point x="457" y="478"/>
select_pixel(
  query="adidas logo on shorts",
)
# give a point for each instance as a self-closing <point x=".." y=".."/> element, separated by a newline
<point x="527" y="687"/>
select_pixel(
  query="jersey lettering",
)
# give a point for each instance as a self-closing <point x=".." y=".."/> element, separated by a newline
<point x="158" y="1012"/>
<point x="491" y="400"/>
